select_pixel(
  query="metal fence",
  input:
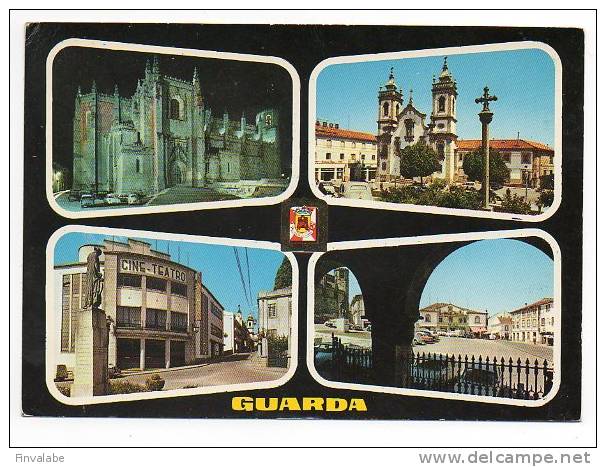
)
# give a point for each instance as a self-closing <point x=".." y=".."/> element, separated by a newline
<point x="473" y="375"/>
<point x="482" y="376"/>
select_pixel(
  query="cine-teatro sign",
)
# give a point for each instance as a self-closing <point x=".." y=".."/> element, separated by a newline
<point x="138" y="266"/>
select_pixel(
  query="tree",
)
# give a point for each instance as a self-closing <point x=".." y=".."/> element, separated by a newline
<point x="546" y="182"/>
<point x="283" y="275"/>
<point x="473" y="166"/>
<point x="545" y="199"/>
<point x="418" y="160"/>
<point x="514" y="204"/>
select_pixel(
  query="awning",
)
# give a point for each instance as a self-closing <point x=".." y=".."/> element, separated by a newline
<point x="478" y="330"/>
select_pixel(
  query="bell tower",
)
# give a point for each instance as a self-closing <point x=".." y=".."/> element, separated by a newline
<point x="444" y="122"/>
<point x="390" y="104"/>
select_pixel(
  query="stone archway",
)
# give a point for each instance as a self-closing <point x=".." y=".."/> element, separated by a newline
<point x="392" y="280"/>
<point x="176" y="173"/>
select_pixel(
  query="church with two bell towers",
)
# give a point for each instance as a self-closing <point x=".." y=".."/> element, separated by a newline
<point x="400" y="126"/>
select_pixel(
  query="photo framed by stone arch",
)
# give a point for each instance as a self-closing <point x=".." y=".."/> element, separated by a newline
<point x="402" y="330"/>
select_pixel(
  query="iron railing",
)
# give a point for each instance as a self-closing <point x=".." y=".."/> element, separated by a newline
<point x="466" y="374"/>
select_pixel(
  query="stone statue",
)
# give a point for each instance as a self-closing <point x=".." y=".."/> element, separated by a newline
<point x="91" y="375"/>
<point x="94" y="280"/>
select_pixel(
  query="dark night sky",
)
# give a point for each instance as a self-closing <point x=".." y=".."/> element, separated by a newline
<point x="226" y="85"/>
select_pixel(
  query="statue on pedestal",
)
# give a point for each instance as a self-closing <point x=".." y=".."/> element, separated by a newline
<point x="92" y="336"/>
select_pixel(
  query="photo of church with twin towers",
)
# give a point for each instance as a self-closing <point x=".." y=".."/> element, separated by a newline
<point x="155" y="139"/>
<point x="420" y="130"/>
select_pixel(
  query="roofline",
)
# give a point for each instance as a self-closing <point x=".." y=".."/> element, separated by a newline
<point x="213" y="296"/>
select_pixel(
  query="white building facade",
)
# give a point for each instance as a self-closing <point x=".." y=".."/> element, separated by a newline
<point x="344" y="155"/>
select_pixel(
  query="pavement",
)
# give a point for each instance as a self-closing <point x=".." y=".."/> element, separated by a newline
<point x="489" y="348"/>
<point x="186" y="194"/>
<point x="174" y="195"/>
<point x="361" y="338"/>
<point x="453" y="345"/>
<point x="243" y="368"/>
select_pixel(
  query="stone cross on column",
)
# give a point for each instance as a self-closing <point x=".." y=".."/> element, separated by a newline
<point x="486" y="117"/>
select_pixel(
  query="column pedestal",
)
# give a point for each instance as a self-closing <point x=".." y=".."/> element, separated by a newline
<point x="92" y="338"/>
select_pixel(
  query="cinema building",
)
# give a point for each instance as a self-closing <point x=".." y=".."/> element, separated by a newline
<point x="150" y="300"/>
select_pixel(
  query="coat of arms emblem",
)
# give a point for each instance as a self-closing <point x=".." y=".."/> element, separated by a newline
<point x="303" y="224"/>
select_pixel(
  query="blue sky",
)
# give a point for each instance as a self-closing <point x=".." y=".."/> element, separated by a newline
<point x="523" y="81"/>
<point x="495" y="275"/>
<point x="217" y="264"/>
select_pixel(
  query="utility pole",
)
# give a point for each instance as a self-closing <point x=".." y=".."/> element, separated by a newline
<point x="486" y="117"/>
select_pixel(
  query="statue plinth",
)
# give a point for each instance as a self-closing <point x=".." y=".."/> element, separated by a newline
<point x="92" y="338"/>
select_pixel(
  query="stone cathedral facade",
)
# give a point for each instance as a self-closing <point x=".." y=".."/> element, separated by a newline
<point x="165" y="135"/>
<point x="400" y="126"/>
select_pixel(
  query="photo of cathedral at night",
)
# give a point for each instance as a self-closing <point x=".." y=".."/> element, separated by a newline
<point x="164" y="143"/>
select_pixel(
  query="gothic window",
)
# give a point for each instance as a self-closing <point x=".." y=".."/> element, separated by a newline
<point x="441" y="104"/>
<point x="268" y="120"/>
<point x="384" y="166"/>
<point x="385" y="109"/>
<point x="428" y="318"/>
<point x="397" y="109"/>
<point x="477" y="320"/>
<point x="138" y="166"/>
<point x="177" y="108"/>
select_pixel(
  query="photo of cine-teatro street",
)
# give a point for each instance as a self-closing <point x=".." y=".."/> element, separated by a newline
<point x="469" y="317"/>
<point x="470" y="131"/>
<point x="138" y="315"/>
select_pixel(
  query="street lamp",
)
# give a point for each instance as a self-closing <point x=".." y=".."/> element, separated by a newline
<point x="526" y="173"/>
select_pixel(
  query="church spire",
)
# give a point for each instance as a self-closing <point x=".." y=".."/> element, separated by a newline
<point x="410" y="98"/>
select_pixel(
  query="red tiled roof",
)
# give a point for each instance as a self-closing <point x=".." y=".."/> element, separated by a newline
<point x="502" y="144"/>
<point x="340" y="133"/>
<point x="543" y="301"/>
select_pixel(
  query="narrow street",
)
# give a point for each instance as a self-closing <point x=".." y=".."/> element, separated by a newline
<point x="242" y="368"/>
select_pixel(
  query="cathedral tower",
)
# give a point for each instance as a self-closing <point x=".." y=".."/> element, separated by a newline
<point x="390" y="103"/>
<point x="443" y="136"/>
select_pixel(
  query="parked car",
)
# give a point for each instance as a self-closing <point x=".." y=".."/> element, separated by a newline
<point x="328" y="188"/>
<point x="356" y="190"/>
<point x="427" y="339"/>
<point x="432" y="374"/>
<point x="431" y="334"/>
<point x="90" y="201"/>
<point x="416" y="340"/>
<point x="471" y="186"/>
<point x="112" y="199"/>
<point x="330" y="324"/>
<point x="480" y="380"/>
